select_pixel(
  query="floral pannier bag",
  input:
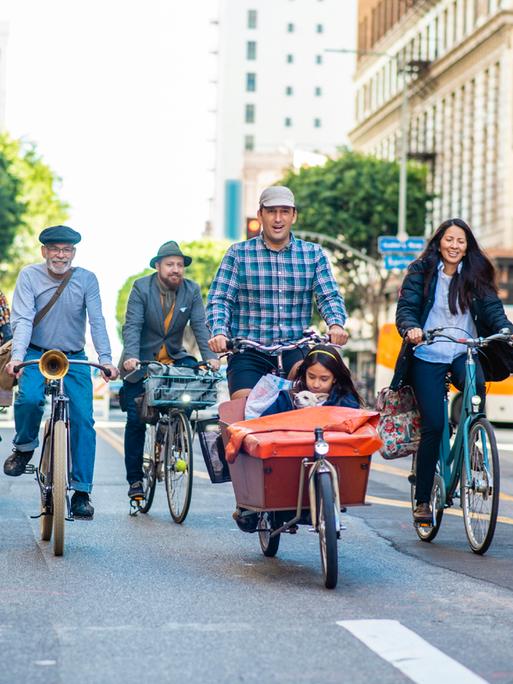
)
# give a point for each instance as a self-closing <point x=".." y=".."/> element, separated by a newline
<point x="399" y="422"/>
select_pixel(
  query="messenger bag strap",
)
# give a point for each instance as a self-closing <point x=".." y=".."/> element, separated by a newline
<point x="46" y="308"/>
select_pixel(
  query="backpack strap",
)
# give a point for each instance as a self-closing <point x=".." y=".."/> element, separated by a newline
<point x="46" y="308"/>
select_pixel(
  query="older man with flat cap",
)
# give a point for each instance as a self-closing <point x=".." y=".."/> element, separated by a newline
<point x="159" y="307"/>
<point x="62" y="327"/>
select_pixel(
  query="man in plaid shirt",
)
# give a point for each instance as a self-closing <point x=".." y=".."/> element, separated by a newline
<point x="263" y="291"/>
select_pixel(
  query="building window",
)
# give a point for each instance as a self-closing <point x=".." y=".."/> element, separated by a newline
<point x="249" y="143"/>
<point x="289" y="90"/>
<point x="251" y="49"/>
<point x="250" y="113"/>
<point x="317" y="123"/>
<point x="318" y="59"/>
<point x="250" y="82"/>
<point x="252" y="19"/>
<point x="290" y="58"/>
<point x="317" y="91"/>
<point x="288" y="122"/>
<point x="290" y="28"/>
<point x="319" y="28"/>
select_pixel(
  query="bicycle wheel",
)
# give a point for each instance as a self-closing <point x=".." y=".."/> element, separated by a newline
<point x="480" y="487"/>
<point x="149" y="468"/>
<point x="268" y="544"/>
<point x="59" y="485"/>
<point x="427" y="534"/>
<point x="46" y="519"/>
<point x="178" y="466"/>
<point x="327" y="529"/>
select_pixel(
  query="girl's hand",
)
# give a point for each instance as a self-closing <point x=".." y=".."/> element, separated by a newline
<point x="414" y="335"/>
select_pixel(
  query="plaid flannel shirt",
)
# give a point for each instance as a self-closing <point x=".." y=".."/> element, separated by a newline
<point x="266" y="296"/>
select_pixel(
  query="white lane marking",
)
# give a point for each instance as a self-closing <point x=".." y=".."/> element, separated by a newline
<point x="409" y="653"/>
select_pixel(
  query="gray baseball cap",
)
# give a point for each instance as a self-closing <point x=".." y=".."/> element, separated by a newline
<point x="277" y="196"/>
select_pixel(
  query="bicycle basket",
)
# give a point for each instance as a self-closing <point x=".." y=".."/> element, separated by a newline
<point x="212" y="448"/>
<point x="180" y="387"/>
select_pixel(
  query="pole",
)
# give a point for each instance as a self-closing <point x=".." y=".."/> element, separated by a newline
<point x="403" y="176"/>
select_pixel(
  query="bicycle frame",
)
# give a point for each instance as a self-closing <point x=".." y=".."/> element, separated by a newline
<point x="451" y="458"/>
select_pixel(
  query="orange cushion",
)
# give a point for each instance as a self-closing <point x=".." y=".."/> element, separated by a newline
<point x="300" y="425"/>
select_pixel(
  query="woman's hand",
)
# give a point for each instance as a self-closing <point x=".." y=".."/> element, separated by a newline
<point x="414" y="335"/>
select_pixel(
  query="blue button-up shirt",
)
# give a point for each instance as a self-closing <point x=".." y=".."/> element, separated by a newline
<point x="266" y="295"/>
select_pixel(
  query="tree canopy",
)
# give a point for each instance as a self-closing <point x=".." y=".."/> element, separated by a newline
<point x="206" y="257"/>
<point x="35" y="193"/>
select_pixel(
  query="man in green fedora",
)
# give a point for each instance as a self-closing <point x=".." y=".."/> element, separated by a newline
<point x="159" y="308"/>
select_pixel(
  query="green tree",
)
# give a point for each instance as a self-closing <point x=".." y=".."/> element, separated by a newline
<point x="38" y="191"/>
<point x="206" y="257"/>
<point x="11" y="213"/>
<point x="354" y="199"/>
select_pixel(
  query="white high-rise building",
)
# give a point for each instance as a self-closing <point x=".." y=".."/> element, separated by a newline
<point x="279" y="91"/>
<point x="4" y="30"/>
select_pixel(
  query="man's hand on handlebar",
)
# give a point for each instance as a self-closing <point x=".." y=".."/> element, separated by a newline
<point x="114" y="373"/>
<point x="131" y="364"/>
<point x="415" y="335"/>
<point x="217" y="344"/>
<point x="9" y="368"/>
<point x="338" y="335"/>
<point x="214" y="364"/>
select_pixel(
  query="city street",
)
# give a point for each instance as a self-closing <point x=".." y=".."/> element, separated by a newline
<point x="142" y="599"/>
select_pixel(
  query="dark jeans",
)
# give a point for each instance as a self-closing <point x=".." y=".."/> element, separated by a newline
<point x="135" y="429"/>
<point x="428" y="382"/>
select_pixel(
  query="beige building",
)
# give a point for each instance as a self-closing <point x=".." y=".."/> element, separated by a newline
<point x="457" y="58"/>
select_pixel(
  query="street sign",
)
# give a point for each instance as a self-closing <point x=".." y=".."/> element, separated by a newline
<point x="397" y="261"/>
<point x="388" y="244"/>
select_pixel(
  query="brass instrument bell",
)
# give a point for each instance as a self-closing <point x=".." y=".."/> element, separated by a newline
<point x="53" y="364"/>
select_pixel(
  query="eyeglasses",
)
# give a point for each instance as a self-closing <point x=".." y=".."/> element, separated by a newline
<point x="57" y="250"/>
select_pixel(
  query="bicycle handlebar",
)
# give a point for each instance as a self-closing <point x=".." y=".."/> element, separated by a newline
<point x="80" y="362"/>
<point x="430" y="336"/>
<point x="238" y="344"/>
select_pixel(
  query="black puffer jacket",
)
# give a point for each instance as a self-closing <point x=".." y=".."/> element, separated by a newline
<point x="487" y="313"/>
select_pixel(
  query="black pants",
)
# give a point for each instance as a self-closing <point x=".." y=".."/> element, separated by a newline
<point x="428" y="382"/>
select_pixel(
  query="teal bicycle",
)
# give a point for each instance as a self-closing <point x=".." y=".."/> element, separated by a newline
<point x="468" y="468"/>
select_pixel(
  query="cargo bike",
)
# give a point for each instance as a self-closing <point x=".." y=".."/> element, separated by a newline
<point x="301" y="467"/>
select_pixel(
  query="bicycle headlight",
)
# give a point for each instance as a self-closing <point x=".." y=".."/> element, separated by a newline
<point x="476" y="403"/>
<point x="186" y="398"/>
<point x="322" y="448"/>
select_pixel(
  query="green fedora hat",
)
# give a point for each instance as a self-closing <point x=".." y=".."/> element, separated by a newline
<point x="168" y="249"/>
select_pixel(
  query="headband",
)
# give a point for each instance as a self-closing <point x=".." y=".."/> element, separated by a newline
<point x="322" y="351"/>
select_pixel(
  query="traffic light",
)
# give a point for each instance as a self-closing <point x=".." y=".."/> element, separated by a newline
<point x="252" y="228"/>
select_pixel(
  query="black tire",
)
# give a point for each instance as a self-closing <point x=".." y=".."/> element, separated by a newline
<point x="46" y="519"/>
<point x="59" y="486"/>
<point x="149" y="468"/>
<point x="268" y="544"/>
<point x="456" y="406"/>
<point x="178" y="455"/>
<point x="427" y="534"/>
<point x="480" y="500"/>
<point x="326" y="526"/>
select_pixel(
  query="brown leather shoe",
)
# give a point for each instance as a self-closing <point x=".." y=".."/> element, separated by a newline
<point x="423" y="513"/>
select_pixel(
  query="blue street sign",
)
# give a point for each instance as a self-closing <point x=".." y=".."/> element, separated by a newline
<point x="389" y="243"/>
<point x="397" y="261"/>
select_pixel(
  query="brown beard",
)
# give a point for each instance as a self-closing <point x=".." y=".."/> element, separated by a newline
<point x="169" y="284"/>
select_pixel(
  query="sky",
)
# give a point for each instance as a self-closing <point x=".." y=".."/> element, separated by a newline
<point x="117" y="96"/>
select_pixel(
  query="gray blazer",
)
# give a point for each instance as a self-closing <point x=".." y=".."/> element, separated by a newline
<point x="143" y="331"/>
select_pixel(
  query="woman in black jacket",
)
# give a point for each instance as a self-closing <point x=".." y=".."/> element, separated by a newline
<point x="451" y="284"/>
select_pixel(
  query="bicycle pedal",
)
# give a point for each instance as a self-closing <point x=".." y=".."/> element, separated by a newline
<point x="30" y="469"/>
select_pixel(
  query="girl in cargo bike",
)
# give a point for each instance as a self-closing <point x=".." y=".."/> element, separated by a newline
<point x="321" y="379"/>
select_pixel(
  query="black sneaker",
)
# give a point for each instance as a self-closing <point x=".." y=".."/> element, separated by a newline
<point x="81" y="506"/>
<point x="135" y="490"/>
<point x="15" y="464"/>
<point x="247" y="521"/>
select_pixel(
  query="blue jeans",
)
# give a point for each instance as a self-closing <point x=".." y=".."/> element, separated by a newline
<point x="135" y="429"/>
<point x="428" y="382"/>
<point x="29" y="407"/>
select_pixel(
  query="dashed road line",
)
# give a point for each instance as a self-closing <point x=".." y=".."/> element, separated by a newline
<point x="408" y="652"/>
